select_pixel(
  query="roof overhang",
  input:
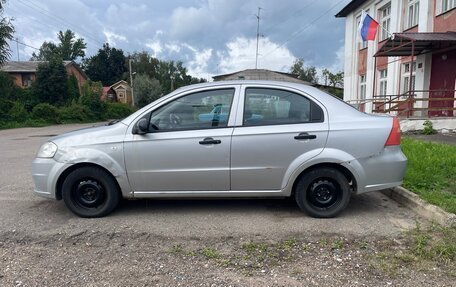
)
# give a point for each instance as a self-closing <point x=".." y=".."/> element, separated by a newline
<point x="349" y="8"/>
<point x="413" y="44"/>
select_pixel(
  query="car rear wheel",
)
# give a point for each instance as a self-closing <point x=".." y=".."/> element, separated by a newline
<point x="322" y="192"/>
<point x="90" y="192"/>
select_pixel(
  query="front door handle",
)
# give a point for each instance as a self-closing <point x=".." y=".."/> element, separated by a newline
<point x="207" y="141"/>
<point x="305" y="136"/>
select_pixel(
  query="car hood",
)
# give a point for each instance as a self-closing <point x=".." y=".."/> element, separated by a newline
<point x="94" y="135"/>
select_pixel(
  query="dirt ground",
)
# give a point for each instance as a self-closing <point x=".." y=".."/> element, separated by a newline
<point x="197" y="242"/>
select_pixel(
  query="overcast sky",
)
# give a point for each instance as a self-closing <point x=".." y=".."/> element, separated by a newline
<point x="210" y="36"/>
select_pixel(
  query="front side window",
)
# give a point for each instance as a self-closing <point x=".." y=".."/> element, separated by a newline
<point x="385" y="19"/>
<point x="271" y="107"/>
<point x="413" y="11"/>
<point x="201" y="110"/>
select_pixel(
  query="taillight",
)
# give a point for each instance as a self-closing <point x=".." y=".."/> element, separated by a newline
<point x="394" y="137"/>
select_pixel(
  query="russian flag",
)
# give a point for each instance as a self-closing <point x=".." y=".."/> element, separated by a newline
<point x="367" y="27"/>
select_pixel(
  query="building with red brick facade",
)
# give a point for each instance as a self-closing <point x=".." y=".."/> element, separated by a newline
<point x="410" y="68"/>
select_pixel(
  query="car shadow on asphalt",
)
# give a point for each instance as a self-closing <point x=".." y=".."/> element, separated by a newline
<point x="359" y="205"/>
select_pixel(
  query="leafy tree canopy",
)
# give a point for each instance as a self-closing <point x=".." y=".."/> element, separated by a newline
<point x="6" y="34"/>
<point x="146" y="90"/>
<point x="68" y="49"/>
<point x="308" y="74"/>
<point x="51" y="84"/>
<point x="107" y="66"/>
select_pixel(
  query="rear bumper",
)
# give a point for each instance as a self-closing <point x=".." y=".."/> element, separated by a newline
<point x="45" y="172"/>
<point x="381" y="171"/>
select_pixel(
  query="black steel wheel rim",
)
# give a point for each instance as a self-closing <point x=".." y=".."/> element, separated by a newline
<point x="89" y="193"/>
<point x="323" y="193"/>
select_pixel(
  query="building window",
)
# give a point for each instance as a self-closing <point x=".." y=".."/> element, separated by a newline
<point x="385" y="21"/>
<point x="413" y="11"/>
<point x="406" y="77"/>
<point x="448" y="5"/>
<point x="383" y="82"/>
<point x="362" y="87"/>
<point x="26" y="80"/>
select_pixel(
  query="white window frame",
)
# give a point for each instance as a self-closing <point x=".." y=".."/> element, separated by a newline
<point x="406" y="77"/>
<point x="413" y="13"/>
<point x="447" y="5"/>
<point x="383" y="82"/>
<point x="385" y="21"/>
<point x="362" y="87"/>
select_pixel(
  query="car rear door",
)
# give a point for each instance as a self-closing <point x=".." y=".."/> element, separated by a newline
<point x="276" y="129"/>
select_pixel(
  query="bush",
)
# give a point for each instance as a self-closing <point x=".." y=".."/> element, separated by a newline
<point x="18" y="113"/>
<point x="74" y="113"/>
<point x="46" y="112"/>
<point x="428" y="128"/>
<point x="118" y="111"/>
<point x="90" y="98"/>
<point x="5" y="107"/>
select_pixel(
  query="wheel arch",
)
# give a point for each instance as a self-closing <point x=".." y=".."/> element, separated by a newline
<point x="344" y="170"/>
<point x="66" y="172"/>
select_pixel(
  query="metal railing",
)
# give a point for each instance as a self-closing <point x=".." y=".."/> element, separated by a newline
<point x="417" y="103"/>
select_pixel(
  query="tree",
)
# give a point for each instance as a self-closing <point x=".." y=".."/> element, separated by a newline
<point x="308" y="74"/>
<point x="337" y="79"/>
<point x="69" y="48"/>
<point x="6" y="33"/>
<point x="146" y="90"/>
<point x="107" y="66"/>
<point x="90" y="98"/>
<point x="142" y="63"/>
<point x="73" y="89"/>
<point x="51" y="84"/>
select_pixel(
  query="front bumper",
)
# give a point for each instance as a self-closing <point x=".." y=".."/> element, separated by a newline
<point x="45" y="173"/>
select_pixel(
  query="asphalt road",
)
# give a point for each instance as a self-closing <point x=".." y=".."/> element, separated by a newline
<point x="31" y="226"/>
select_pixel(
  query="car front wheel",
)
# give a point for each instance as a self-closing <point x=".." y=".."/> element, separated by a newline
<point x="90" y="192"/>
<point x="322" y="192"/>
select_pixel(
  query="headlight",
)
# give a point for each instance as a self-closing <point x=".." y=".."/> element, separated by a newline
<point x="47" y="150"/>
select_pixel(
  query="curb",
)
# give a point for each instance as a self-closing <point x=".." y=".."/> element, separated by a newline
<point x="419" y="206"/>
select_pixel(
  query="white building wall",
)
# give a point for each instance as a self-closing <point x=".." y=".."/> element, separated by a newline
<point x="398" y="14"/>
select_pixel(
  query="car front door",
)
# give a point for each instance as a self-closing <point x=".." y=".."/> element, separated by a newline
<point x="184" y="150"/>
<point x="279" y="129"/>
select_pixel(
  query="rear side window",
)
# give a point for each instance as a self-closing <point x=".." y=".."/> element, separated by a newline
<point x="274" y="107"/>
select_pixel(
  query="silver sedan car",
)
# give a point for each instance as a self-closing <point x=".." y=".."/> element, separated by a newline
<point x="274" y="139"/>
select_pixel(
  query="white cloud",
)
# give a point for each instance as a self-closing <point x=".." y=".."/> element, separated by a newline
<point x="198" y="66"/>
<point x="156" y="47"/>
<point x="112" y="37"/>
<point x="241" y="55"/>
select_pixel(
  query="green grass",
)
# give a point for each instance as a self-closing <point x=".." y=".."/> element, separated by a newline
<point x="431" y="172"/>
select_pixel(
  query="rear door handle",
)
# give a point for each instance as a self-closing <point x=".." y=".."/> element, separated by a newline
<point x="207" y="141"/>
<point x="305" y="136"/>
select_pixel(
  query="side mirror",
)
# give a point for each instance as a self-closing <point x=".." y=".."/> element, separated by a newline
<point x="142" y="127"/>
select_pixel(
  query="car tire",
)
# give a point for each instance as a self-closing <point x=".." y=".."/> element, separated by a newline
<point x="322" y="192"/>
<point x="90" y="192"/>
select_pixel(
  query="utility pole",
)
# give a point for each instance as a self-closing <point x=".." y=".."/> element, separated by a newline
<point x="17" y="48"/>
<point x="258" y="37"/>
<point x="131" y="83"/>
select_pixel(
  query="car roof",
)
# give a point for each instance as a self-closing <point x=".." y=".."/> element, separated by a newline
<point x="335" y="107"/>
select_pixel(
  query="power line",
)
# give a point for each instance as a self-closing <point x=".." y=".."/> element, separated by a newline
<point x="268" y="28"/>
<point x="20" y="43"/>
<point x="295" y="34"/>
<point x="59" y="19"/>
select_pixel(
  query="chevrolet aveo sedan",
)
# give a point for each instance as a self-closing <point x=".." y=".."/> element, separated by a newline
<point x="277" y="139"/>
